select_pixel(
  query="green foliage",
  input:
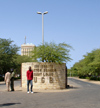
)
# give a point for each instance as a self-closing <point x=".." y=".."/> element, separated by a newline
<point x="51" y="52"/>
<point x="95" y="78"/>
<point x="9" y="57"/>
<point x="19" y="60"/>
<point x="89" y="66"/>
<point x="8" y="52"/>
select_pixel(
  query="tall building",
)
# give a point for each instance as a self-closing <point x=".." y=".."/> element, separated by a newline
<point x="26" y="49"/>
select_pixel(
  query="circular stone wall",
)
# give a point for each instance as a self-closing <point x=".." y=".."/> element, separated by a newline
<point x="45" y="75"/>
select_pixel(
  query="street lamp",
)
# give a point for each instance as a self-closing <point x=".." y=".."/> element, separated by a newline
<point x="42" y="25"/>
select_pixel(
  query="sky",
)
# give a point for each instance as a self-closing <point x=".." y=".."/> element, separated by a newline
<point x="75" y="22"/>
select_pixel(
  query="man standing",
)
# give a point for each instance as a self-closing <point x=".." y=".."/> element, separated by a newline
<point x="29" y="75"/>
<point x="12" y="80"/>
<point x="7" y="80"/>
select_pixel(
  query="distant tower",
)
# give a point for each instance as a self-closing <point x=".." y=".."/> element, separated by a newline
<point x="25" y="40"/>
<point x="26" y="49"/>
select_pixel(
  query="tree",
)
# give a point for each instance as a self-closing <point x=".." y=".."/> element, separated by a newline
<point x="19" y="60"/>
<point x="51" y="52"/>
<point x="90" y="65"/>
<point x="8" y="52"/>
<point x="96" y="63"/>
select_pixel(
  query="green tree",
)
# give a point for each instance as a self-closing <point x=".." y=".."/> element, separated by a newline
<point x="8" y="52"/>
<point x="96" y="63"/>
<point x="89" y="66"/>
<point x="51" y="52"/>
<point x="19" y="60"/>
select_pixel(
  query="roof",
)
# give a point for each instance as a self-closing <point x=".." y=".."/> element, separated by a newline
<point x="28" y="44"/>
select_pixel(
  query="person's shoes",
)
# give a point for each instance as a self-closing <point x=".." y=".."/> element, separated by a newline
<point x="28" y="92"/>
<point x="32" y="92"/>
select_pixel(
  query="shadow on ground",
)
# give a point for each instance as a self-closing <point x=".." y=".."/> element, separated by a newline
<point x="72" y="87"/>
<point x="8" y="104"/>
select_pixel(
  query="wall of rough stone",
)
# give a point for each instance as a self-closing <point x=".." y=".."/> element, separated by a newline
<point x="46" y="75"/>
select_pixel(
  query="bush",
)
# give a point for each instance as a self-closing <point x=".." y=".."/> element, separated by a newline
<point x="87" y="77"/>
<point x="95" y="78"/>
<point x="83" y="77"/>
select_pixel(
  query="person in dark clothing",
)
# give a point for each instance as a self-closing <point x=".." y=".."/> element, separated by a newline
<point x="12" y="80"/>
<point x="29" y="75"/>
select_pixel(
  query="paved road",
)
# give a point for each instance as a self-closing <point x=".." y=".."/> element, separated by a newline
<point x="81" y="95"/>
<point x="3" y="85"/>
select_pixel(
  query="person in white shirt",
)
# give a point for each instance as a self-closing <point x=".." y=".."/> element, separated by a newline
<point x="7" y="80"/>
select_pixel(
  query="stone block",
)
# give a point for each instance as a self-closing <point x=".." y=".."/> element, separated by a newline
<point x="46" y="75"/>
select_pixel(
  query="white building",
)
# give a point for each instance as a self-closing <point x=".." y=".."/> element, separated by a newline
<point x="26" y="49"/>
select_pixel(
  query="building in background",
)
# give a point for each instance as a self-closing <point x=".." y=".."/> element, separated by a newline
<point x="26" y="49"/>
